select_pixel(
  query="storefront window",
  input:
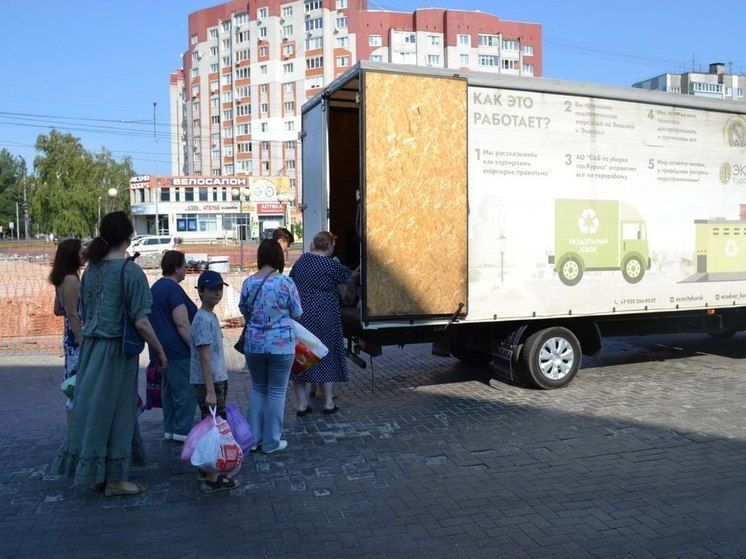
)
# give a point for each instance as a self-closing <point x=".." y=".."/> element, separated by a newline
<point x="165" y="194"/>
<point x="189" y="195"/>
<point x="202" y="194"/>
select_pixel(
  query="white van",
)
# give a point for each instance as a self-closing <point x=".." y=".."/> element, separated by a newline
<point x="152" y="244"/>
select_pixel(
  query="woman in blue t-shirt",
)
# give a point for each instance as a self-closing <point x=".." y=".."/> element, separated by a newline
<point x="171" y="318"/>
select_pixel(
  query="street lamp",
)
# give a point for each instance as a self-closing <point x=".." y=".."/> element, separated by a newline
<point x="501" y="242"/>
<point x="243" y="195"/>
<point x="112" y="193"/>
<point x="285" y="200"/>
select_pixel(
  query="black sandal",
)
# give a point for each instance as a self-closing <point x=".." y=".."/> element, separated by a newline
<point x="223" y="483"/>
<point x="301" y="413"/>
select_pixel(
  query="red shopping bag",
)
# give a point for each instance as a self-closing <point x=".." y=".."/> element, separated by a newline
<point x="152" y="386"/>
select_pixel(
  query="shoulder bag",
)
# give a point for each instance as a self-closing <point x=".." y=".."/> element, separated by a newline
<point x="132" y="342"/>
<point x="238" y="346"/>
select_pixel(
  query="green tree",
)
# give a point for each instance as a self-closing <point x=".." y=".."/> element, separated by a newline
<point x="71" y="184"/>
<point x="11" y="177"/>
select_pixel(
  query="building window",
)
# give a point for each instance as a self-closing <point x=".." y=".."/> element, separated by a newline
<point x="213" y="51"/>
<point x="433" y="60"/>
<point x="464" y="40"/>
<point x="195" y="90"/>
<point x="340" y="4"/>
<point x="315" y="62"/>
<point x="314" y="82"/>
<point x="290" y="164"/>
<point x="213" y="33"/>
<point x="246" y="166"/>
<point x="376" y="58"/>
<point x="510" y="44"/>
<point x="290" y="144"/>
<point x="226" y="79"/>
<point x="264" y="108"/>
<point x="195" y="72"/>
<point x="287" y="68"/>
<point x="242" y="18"/>
<point x="510" y="64"/>
<point x="265" y="165"/>
<point x="433" y="40"/>
<point x="289" y="88"/>
<point x="315" y="23"/>
<point x="243" y="129"/>
<point x="287" y="31"/>
<point x="314" y="43"/>
<point x="463" y="59"/>
<point x="227" y="133"/>
<point x="263" y="51"/>
<point x="202" y="194"/>
<point x="243" y="73"/>
<point x="343" y="61"/>
<point x="262" y="32"/>
<point x="287" y="11"/>
<point x="290" y="125"/>
<point x="287" y="50"/>
<point x="262" y="13"/>
<point x="340" y="23"/>
<point x="487" y="60"/>
<point x="342" y="42"/>
<point x="489" y="40"/>
<point x="265" y="146"/>
<point x="227" y="96"/>
<point x="263" y="88"/>
<point x="226" y="44"/>
<point x="528" y="69"/>
<point x="313" y="5"/>
<point x="265" y="127"/>
<point x="214" y="68"/>
<point x="226" y="60"/>
<point x="189" y="195"/>
<point x="226" y="25"/>
<point x="194" y="39"/>
<point x="528" y="50"/>
<point x="243" y="147"/>
<point x="228" y="114"/>
<point x="242" y="55"/>
<point x="263" y="69"/>
<point x="375" y="40"/>
<point x="214" y="120"/>
<point x="195" y="58"/>
<point x="289" y="106"/>
<point x="243" y="109"/>
<point x="410" y="38"/>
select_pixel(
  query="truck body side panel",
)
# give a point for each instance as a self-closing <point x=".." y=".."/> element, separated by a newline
<point x="415" y="196"/>
<point x="315" y="171"/>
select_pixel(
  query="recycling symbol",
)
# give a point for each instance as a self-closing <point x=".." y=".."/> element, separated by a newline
<point x="588" y="221"/>
<point x="731" y="248"/>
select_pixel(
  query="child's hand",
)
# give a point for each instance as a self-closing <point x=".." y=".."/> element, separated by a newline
<point x="210" y="398"/>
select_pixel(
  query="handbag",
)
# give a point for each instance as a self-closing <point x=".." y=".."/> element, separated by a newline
<point x="238" y="346"/>
<point x="152" y="386"/>
<point x="132" y="342"/>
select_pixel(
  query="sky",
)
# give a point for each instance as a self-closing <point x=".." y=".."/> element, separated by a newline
<point x="94" y="68"/>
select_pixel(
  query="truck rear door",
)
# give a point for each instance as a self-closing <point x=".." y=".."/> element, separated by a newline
<point x="315" y="170"/>
<point x="414" y="190"/>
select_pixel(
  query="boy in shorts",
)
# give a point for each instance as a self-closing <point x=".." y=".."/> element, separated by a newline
<point x="207" y="371"/>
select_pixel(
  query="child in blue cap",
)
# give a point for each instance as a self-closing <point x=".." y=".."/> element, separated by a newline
<point x="207" y="371"/>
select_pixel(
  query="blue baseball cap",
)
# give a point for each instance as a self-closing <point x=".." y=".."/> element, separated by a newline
<point x="210" y="279"/>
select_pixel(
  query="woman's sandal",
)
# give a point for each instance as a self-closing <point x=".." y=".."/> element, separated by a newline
<point x="301" y="413"/>
<point x="223" y="483"/>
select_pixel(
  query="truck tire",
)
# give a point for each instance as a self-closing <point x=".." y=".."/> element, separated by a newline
<point x="633" y="269"/>
<point x="470" y="355"/>
<point x="550" y="358"/>
<point x="570" y="270"/>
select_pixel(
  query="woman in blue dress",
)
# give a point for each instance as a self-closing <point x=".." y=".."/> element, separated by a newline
<point x="103" y="439"/>
<point x="317" y="275"/>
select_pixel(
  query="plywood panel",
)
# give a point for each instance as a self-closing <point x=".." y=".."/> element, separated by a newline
<point x="415" y="195"/>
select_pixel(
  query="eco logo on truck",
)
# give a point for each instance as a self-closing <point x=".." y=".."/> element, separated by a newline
<point x="598" y="235"/>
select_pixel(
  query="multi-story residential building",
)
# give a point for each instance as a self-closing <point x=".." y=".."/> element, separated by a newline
<point x="250" y="66"/>
<point x="716" y="83"/>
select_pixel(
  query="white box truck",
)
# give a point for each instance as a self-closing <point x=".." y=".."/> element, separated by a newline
<point x="525" y="218"/>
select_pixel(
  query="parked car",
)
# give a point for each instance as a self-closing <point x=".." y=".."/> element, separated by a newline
<point x="152" y="244"/>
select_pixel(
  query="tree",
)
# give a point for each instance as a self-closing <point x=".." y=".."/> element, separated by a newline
<point x="71" y="182"/>
<point x="11" y="177"/>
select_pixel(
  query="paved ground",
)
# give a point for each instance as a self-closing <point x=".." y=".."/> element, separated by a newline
<point x="643" y="455"/>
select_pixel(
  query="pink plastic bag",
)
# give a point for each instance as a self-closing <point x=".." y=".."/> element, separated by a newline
<point x="197" y="432"/>
<point x="240" y="428"/>
<point x="217" y="450"/>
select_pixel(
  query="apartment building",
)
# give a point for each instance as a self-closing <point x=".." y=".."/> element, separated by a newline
<point x="715" y="83"/>
<point x="250" y="66"/>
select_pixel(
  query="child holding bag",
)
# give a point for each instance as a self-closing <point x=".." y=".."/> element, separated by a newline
<point x="207" y="372"/>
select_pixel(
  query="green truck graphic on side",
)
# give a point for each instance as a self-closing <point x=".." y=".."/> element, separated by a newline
<point x="598" y="235"/>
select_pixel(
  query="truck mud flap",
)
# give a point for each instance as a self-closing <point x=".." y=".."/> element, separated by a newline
<point x="505" y="353"/>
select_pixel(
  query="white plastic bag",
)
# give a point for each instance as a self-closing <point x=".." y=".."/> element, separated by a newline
<point x="309" y="350"/>
<point x="217" y="450"/>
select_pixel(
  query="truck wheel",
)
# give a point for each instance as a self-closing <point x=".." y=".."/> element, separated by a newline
<point x="551" y="358"/>
<point x="570" y="271"/>
<point x="632" y="269"/>
<point x="470" y="355"/>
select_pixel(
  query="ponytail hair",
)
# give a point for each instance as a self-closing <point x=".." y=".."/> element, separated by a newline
<point x="115" y="228"/>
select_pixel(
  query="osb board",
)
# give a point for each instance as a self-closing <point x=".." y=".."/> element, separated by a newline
<point x="415" y="195"/>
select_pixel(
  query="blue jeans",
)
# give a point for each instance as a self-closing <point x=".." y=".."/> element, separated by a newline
<point x="177" y="398"/>
<point x="270" y="373"/>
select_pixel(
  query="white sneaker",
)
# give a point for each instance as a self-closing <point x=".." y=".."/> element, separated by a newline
<point x="168" y="436"/>
<point x="282" y="446"/>
<point x="179" y="438"/>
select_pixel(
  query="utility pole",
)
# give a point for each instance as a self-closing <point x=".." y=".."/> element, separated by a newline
<point x="25" y="200"/>
<point x="155" y="170"/>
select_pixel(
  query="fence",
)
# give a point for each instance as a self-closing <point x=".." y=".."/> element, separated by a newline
<point x="28" y="322"/>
